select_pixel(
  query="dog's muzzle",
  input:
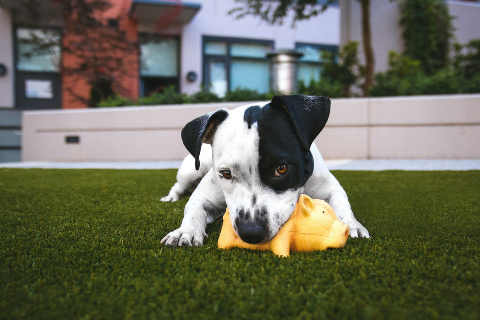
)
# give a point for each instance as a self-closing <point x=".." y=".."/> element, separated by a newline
<point x="251" y="230"/>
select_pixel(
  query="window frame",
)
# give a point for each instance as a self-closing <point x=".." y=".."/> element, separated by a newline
<point x="16" y="49"/>
<point x="206" y="58"/>
<point x="176" y="79"/>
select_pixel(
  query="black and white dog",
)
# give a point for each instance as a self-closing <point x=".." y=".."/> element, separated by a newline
<point x="262" y="157"/>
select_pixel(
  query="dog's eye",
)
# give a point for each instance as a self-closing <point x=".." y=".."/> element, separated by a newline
<point x="226" y="173"/>
<point x="280" y="170"/>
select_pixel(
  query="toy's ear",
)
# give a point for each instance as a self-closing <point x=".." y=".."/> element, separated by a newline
<point x="308" y="114"/>
<point x="201" y="130"/>
<point x="306" y="205"/>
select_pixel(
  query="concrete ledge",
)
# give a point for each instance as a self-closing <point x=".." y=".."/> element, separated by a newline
<point x="435" y="127"/>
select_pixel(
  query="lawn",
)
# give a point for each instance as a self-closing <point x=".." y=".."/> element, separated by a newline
<point x="85" y="244"/>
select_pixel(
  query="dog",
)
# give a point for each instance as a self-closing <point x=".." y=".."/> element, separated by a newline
<point x="256" y="159"/>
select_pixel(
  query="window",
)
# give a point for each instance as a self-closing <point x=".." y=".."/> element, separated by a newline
<point x="230" y="63"/>
<point x="159" y="65"/>
<point x="310" y="65"/>
<point x="38" y="50"/>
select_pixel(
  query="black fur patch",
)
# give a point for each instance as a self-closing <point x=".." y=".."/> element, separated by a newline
<point x="251" y="115"/>
<point x="278" y="145"/>
<point x="286" y="127"/>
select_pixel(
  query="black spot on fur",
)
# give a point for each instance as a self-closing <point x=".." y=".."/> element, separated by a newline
<point x="254" y="200"/>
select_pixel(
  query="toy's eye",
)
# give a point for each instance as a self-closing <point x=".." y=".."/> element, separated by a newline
<point x="280" y="170"/>
<point x="226" y="173"/>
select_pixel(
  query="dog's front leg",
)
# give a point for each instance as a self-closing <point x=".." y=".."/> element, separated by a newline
<point x="339" y="201"/>
<point x="205" y="204"/>
<point x="323" y="185"/>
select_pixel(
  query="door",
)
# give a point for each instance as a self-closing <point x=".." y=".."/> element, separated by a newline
<point x="38" y="83"/>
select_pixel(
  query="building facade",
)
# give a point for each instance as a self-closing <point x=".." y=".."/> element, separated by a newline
<point x="387" y="32"/>
<point x="188" y="45"/>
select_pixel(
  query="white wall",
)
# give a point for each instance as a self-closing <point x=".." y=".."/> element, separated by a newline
<point x="213" y="20"/>
<point x="467" y="22"/>
<point x="6" y="58"/>
<point x="421" y="127"/>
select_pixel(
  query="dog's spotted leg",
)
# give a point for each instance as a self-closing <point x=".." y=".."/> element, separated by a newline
<point x="339" y="201"/>
<point x="205" y="204"/>
<point x="187" y="177"/>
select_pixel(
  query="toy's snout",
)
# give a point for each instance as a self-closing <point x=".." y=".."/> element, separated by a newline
<point x="250" y="229"/>
<point x="339" y="234"/>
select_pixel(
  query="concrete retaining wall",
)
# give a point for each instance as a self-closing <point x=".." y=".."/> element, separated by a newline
<point x="441" y="127"/>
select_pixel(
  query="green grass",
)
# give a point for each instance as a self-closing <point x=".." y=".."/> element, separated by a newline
<point x="84" y="244"/>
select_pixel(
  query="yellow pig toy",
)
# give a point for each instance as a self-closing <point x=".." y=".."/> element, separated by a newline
<point x="312" y="226"/>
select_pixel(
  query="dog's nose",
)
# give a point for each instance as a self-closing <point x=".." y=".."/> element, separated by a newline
<point x="252" y="231"/>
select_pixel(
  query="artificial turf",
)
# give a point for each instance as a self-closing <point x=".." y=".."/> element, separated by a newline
<point x="84" y="244"/>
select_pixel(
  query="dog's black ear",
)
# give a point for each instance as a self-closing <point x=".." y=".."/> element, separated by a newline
<point x="308" y="114"/>
<point x="201" y="130"/>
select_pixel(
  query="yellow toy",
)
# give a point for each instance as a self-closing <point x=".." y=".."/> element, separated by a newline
<point x="312" y="226"/>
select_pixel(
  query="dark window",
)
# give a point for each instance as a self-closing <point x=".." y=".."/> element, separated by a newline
<point x="38" y="57"/>
<point x="230" y="63"/>
<point x="310" y="65"/>
<point x="159" y="64"/>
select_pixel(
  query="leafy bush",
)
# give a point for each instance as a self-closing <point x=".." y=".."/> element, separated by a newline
<point x="116" y="101"/>
<point x="203" y="96"/>
<point x="322" y="88"/>
<point x="466" y="61"/>
<point x="170" y="96"/>
<point x="406" y="77"/>
<point x="245" y="94"/>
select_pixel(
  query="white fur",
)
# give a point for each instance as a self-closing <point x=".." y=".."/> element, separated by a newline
<point x="234" y="145"/>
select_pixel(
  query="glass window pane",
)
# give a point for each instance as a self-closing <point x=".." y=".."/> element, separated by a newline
<point x="310" y="53"/>
<point x="218" y="78"/>
<point x="249" y="50"/>
<point x="38" y="50"/>
<point x="216" y="48"/>
<point x="308" y="72"/>
<point x="251" y="75"/>
<point x="159" y="58"/>
<point x="39" y="89"/>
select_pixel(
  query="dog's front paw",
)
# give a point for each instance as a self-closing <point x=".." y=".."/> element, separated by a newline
<point x="184" y="237"/>
<point x="170" y="198"/>
<point x="357" y="230"/>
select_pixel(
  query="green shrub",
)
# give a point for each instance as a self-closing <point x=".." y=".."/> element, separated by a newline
<point x="168" y="96"/>
<point x="466" y="61"/>
<point x="203" y="96"/>
<point x="116" y="101"/>
<point x="322" y="88"/>
<point x="245" y="94"/>
<point x="406" y="77"/>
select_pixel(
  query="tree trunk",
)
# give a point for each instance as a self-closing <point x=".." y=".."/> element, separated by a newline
<point x="367" y="47"/>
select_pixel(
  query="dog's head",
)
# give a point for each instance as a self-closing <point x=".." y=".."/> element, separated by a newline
<point x="261" y="158"/>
